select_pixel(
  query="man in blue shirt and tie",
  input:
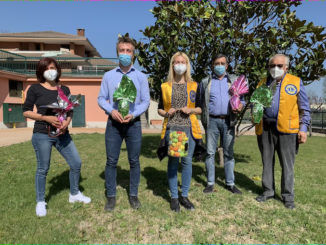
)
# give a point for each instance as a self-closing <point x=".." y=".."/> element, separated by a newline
<point x="219" y="120"/>
<point x="119" y="127"/>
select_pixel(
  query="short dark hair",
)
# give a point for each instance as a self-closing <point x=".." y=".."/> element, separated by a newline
<point x="215" y="57"/>
<point x="42" y="66"/>
<point x="125" y="39"/>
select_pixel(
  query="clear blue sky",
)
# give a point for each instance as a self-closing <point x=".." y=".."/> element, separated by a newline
<point x="103" y="21"/>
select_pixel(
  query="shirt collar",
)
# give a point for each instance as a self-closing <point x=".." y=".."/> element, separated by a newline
<point x="118" y="69"/>
<point x="214" y="76"/>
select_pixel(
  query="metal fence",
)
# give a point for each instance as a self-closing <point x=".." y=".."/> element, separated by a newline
<point x="72" y="66"/>
<point x="318" y="119"/>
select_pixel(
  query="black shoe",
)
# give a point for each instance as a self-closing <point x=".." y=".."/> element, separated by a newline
<point x="134" y="202"/>
<point x="233" y="189"/>
<point x="174" y="205"/>
<point x="208" y="189"/>
<point x="109" y="206"/>
<point x="184" y="201"/>
<point x="289" y="205"/>
<point x="263" y="198"/>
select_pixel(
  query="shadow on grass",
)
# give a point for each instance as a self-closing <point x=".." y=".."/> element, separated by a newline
<point x="198" y="171"/>
<point x="241" y="180"/>
<point x="123" y="177"/>
<point x="241" y="158"/>
<point x="60" y="183"/>
<point x="150" y="144"/>
<point x="156" y="181"/>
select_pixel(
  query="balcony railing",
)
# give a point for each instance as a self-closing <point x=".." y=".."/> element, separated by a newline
<point x="70" y="66"/>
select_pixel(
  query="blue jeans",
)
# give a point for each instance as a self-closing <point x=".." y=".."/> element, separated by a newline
<point x="114" y="135"/>
<point x="220" y="127"/>
<point x="42" y="144"/>
<point x="186" y="163"/>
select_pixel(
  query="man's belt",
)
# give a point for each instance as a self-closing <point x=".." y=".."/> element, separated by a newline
<point x="269" y="122"/>
<point x="133" y="120"/>
<point x="220" y="116"/>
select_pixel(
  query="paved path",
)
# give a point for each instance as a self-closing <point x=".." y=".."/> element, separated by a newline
<point x="17" y="135"/>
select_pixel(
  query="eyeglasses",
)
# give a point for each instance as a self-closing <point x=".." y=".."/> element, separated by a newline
<point x="278" y="65"/>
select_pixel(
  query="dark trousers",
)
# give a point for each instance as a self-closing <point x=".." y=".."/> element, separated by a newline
<point x="114" y="135"/>
<point x="285" y="146"/>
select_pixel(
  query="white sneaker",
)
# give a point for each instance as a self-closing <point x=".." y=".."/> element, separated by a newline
<point x="79" y="198"/>
<point x="40" y="209"/>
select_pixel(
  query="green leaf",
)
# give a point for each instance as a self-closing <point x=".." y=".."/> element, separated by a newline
<point x="219" y="14"/>
<point x="248" y="32"/>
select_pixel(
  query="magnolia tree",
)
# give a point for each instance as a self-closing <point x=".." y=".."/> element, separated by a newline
<point x="247" y="32"/>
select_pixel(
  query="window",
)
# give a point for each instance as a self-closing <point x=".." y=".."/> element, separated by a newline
<point x="15" y="88"/>
<point x="37" y="46"/>
<point x="66" y="46"/>
<point x="24" y="46"/>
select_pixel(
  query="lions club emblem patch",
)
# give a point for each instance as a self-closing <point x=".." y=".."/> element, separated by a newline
<point x="192" y="96"/>
<point x="291" y="89"/>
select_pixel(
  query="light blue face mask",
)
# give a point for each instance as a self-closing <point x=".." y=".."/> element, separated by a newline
<point x="219" y="70"/>
<point x="125" y="59"/>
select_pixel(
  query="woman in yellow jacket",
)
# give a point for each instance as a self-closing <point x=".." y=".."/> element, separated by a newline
<point x="179" y="106"/>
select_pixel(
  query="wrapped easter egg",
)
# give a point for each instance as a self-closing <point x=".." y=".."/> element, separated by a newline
<point x="178" y="143"/>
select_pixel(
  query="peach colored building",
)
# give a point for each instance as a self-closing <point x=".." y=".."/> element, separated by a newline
<point x="82" y="70"/>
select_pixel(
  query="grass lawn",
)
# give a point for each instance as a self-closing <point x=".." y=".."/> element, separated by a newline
<point x="219" y="217"/>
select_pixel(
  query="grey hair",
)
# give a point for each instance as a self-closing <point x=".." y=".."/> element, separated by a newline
<point x="287" y="59"/>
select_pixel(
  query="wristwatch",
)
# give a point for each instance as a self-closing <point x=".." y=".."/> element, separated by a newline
<point x="166" y="114"/>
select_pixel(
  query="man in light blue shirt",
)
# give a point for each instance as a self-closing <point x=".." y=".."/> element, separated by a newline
<point x="219" y="120"/>
<point x="119" y="127"/>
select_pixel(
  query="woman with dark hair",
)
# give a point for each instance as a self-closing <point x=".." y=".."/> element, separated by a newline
<point x="48" y="73"/>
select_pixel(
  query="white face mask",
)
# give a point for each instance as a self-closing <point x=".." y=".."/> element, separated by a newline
<point x="276" y="72"/>
<point x="180" y="69"/>
<point x="50" y="75"/>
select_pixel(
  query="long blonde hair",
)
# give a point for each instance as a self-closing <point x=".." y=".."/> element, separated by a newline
<point x="187" y="75"/>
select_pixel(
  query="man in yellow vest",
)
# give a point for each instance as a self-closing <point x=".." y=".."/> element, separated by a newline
<point x="283" y="127"/>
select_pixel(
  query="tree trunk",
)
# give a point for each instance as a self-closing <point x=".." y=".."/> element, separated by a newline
<point x="220" y="154"/>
